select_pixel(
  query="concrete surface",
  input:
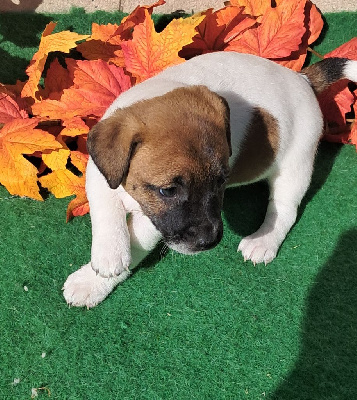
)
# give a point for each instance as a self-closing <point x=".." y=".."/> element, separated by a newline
<point x="128" y="5"/>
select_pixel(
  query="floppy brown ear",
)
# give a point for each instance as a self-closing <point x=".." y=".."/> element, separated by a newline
<point x="111" y="144"/>
<point x="222" y="110"/>
<point x="227" y="119"/>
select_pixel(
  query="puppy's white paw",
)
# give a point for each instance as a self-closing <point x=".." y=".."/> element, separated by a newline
<point x="84" y="288"/>
<point x="110" y="261"/>
<point x="259" y="249"/>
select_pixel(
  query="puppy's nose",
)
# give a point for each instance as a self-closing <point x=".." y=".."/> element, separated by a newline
<point x="209" y="237"/>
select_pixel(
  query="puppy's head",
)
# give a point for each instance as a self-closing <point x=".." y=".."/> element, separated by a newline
<point x="171" y="155"/>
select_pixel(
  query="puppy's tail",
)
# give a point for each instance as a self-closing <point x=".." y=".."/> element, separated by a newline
<point x="330" y="70"/>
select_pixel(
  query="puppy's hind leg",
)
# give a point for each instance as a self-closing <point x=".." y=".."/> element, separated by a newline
<point x="288" y="185"/>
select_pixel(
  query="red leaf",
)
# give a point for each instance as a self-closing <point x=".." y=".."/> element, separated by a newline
<point x="335" y="102"/>
<point x="347" y="50"/>
<point x="9" y="109"/>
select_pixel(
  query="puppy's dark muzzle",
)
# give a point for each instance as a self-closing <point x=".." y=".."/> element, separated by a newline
<point x="204" y="237"/>
<point x="205" y="244"/>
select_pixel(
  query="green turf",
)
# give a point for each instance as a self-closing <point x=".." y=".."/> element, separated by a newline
<point x="202" y="327"/>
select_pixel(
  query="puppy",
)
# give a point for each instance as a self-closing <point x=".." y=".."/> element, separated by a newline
<point x="165" y="150"/>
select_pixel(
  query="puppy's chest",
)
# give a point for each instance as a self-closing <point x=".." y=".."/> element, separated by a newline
<point x="257" y="149"/>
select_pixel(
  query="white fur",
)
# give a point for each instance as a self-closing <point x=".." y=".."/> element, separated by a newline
<point x="350" y="71"/>
<point x="246" y="82"/>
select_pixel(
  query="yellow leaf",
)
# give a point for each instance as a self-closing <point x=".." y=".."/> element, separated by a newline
<point x="63" y="183"/>
<point x="61" y="41"/>
<point x="56" y="159"/>
<point x="20" y="137"/>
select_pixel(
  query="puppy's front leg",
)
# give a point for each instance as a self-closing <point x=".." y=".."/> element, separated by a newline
<point x="85" y="288"/>
<point x="110" y="255"/>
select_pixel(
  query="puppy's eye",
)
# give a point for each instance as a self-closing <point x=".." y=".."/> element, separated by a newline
<point x="168" y="192"/>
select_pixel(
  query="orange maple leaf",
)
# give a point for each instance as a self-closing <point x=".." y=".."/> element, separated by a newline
<point x="105" y="40"/>
<point x="95" y="85"/>
<point x="74" y="127"/>
<point x="149" y="52"/>
<point x="135" y="18"/>
<point x="279" y="34"/>
<point x="256" y="8"/>
<point x="9" y="108"/>
<point x="104" y="33"/>
<point x="56" y="159"/>
<point x="63" y="183"/>
<point x="57" y="79"/>
<point x="218" y="30"/>
<point x="314" y="24"/>
<point x="20" y="137"/>
<point x="62" y="41"/>
<point x="103" y="44"/>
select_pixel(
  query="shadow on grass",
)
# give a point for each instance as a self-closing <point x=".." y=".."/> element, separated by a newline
<point x="244" y="207"/>
<point x="18" y="31"/>
<point x="326" y="367"/>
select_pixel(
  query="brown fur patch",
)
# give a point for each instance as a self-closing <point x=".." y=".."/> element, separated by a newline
<point x="317" y="77"/>
<point x="258" y="149"/>
<point x="182" y="134"/>
<point x="325" y="72"/>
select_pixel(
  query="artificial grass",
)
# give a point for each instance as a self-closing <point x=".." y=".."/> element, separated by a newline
<point x="202" y="327"/>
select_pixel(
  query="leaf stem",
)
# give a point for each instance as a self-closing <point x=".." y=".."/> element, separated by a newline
<point x="315" y="53"/>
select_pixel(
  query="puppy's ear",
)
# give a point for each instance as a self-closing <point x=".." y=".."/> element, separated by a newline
<point x="111" y="144"/>
<point x="227" y="119"/>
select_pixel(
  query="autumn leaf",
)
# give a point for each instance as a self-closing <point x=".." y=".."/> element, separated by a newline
<point x="104" y="33"/>
<point x="9" y="108"/>
<point x="149" y="52"/>
<point x="279" y="33"/>
<point x="344" y="133"/>
<point x="236" y="22"/>
<point x="314" y="23"/>
<point x="105" y="40"/>
<point x="63" y="183"/>
<point x="336" y="101"/>
<point x="95" y="85"/>
<point x="255" y="8"/>
<point x="209" y="37"/>
<point x="346" y="50"/>
<point x="17" y="138"/>
<point x="104" y="44"/>
<point x="56" y="159"/>
<point x="135" y="18"/>
<point x="217" y="30"/>
<point x="74" y="127"/>
<point x="62" y="41"/>
<point x="57" y="79"/>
